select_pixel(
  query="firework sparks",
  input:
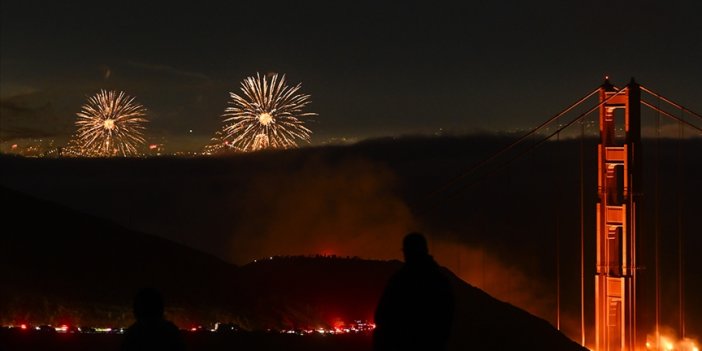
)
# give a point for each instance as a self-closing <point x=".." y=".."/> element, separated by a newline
<point x="218" y="145"/>
<point x="267" y="115"/>
<point x="111" y="123"/>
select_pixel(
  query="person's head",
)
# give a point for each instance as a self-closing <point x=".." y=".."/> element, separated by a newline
<point x="148" y="305"/>
<point x="414" y="247"/>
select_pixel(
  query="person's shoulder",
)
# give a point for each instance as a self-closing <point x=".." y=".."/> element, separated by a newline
<point x="134" y="328"/>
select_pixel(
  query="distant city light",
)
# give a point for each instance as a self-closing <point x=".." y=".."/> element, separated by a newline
<point x="339" y="327"/>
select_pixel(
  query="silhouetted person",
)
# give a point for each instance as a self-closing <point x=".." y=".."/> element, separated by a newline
<point x="151" y="331"/>
<point x="415" y="311"/>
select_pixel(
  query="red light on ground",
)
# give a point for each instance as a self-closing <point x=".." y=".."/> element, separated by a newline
<point x="153" y="146"/>
<point x="193" y="329"/>
<point x="23" y="327"/>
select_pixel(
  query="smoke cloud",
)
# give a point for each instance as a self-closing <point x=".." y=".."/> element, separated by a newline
<point x="347" y="207"/>
<point x="485" y="270"/>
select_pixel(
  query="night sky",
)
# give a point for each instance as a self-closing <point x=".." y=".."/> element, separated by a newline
<point x="373" y="69"/>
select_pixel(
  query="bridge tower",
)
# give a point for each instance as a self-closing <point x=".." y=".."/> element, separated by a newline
<point x="619" y="174"/>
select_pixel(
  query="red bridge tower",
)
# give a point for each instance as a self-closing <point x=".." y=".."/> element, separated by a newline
<point x="619" y="174"/>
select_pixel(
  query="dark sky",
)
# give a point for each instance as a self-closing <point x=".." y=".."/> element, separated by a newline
<point x="372" y="68"/>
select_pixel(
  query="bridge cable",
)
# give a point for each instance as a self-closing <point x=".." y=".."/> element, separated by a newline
<point x="676" y="105"/>
<point x="559" y="191"/>
<point x="670" y="115"/>
<point x="681" y="127"/>
<point x="524" y="137"/>
<point x="582" y="231"/>
<point x="681" y="247"/>
<point x="456" y="191"/>
<point x="657" y="226"/>
<point x="534" y="146"/>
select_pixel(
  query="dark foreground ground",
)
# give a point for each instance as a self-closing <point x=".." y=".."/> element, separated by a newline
<point x="12" y="341"/>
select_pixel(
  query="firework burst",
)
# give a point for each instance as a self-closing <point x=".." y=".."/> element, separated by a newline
<point x="267" y="115"/>
<point x="110" y="124"/>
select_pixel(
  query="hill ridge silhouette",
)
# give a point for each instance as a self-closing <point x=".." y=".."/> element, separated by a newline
<point x="88" y="274"/>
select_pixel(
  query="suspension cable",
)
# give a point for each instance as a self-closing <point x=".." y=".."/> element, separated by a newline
<point x="582" y="229"/>
<point x="676" y="105"/>
<point x="558" y="236"/>
<point x="485" y="161"/>
<point x="546" y="138"/>
<point x="669" y="115"/>
<point x="657" y="229"/>
<point x="681" y="247"/>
